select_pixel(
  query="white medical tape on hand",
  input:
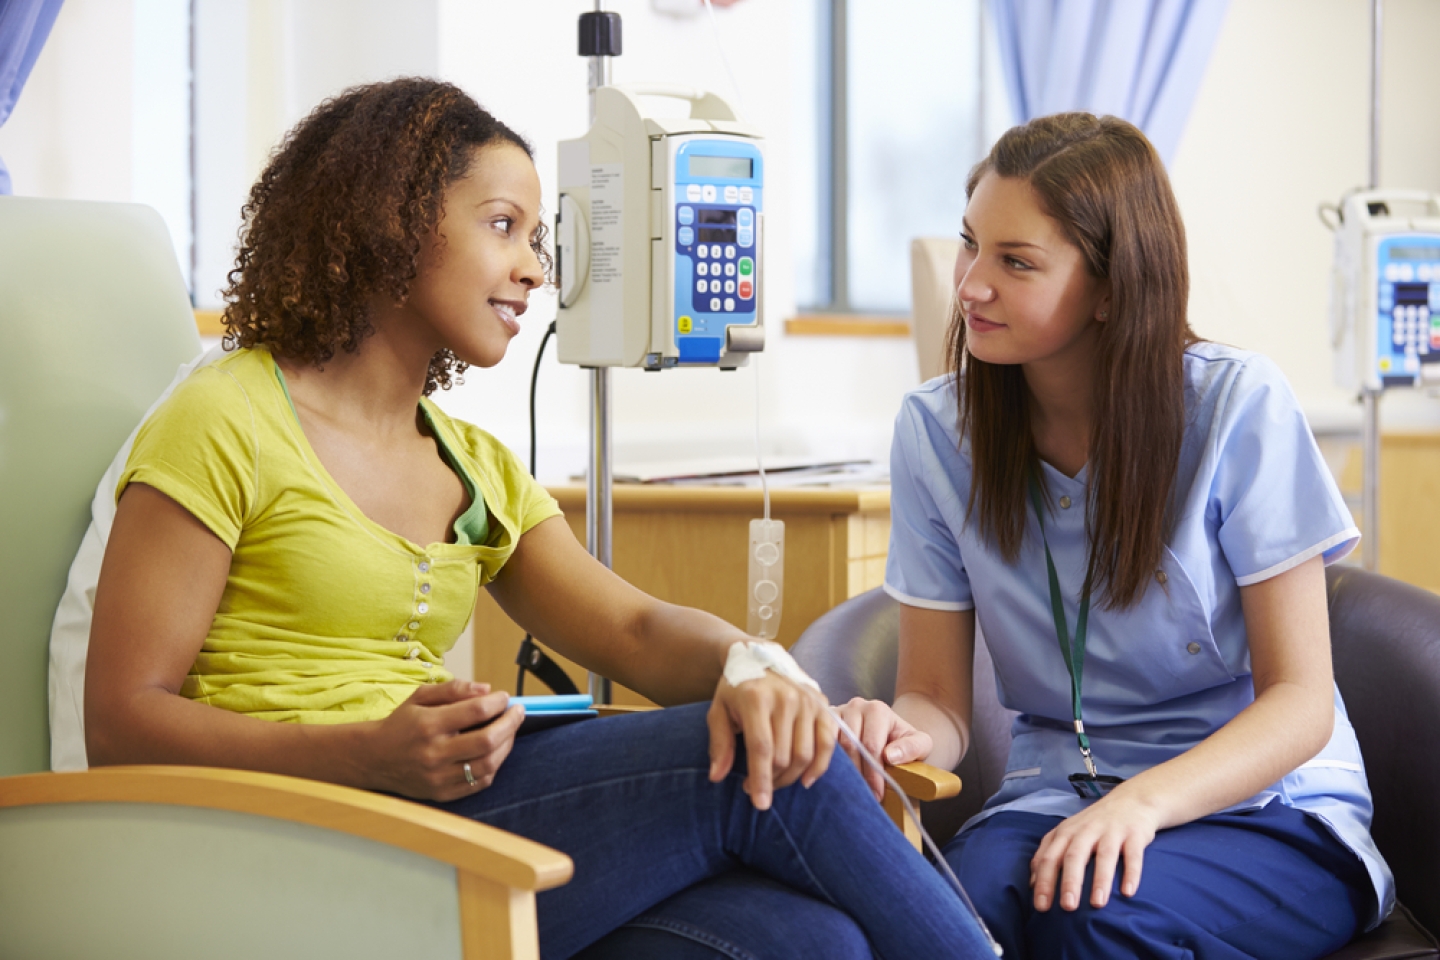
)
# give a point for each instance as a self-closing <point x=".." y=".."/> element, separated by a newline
<point x="748" y="660"/>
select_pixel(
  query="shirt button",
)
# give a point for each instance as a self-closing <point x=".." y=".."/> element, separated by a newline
<point x="414" y="624"/>
<point x="1064" y="503"/>
<point x="1193" y="647"/>
<point x="422" y="608"/>
<point x="401" y="638"/>
<point x="414" y="654"/>
<point x="424" y="566"/>
<point x="424" y="588"/>
<point x="1162" y="577"/>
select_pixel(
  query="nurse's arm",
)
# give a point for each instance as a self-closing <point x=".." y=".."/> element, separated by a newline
<point x="1289" y="722"/>
<point x="934" y="679"/>
<point x="930" y="719"/>
<point x="1288" y="626"/>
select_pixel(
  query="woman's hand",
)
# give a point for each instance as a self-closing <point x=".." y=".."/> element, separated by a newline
<point x="789" y="734"/>
<point x="421" y="749"/>
<point x="1113" y="827"/>
<point x="888" y="737"/>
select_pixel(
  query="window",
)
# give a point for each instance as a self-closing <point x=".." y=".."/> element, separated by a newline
<point x="899" y="102"/>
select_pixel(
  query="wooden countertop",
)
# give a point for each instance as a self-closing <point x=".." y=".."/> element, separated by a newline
<point x="651" y="497"/>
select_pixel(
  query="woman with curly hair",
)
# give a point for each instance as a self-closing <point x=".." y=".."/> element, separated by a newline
<point x="301" y="533"/>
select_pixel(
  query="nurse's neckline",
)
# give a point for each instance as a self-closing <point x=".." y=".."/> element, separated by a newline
<point x="1078" y="477"/>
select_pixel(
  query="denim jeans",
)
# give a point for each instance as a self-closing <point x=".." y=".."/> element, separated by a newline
<point x="630" y="800"/>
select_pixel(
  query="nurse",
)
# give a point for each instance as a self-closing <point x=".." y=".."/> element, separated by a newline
<point x="1137" y="522"/>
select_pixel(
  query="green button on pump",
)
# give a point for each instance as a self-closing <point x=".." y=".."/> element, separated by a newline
<point x="747" y="266"/>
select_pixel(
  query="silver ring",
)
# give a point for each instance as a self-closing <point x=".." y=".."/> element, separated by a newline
<point x="469" y="776"/>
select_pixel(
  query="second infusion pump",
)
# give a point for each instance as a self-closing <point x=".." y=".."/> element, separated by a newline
<point x="1385" y="305"/>
<point x="659" y="236"/>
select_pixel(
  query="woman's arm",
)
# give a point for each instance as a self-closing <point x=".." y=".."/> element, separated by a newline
<point x="933" y="695"/>
<point x="671" y="654"/>
<point x="160" y="585"/>
<point x="1291" y="720"/>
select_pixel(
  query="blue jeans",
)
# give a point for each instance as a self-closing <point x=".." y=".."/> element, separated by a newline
<point x="630" y="800"/>
<point x="1265" y="883"/>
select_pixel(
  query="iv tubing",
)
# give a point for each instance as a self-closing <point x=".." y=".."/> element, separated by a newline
<point x="739" y="97"/>
<point x="914" y="814"/>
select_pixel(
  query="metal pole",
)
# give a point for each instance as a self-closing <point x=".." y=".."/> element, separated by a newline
<point x="1370" y="481"/>
<point x="599" y="515"/>
<point x="1377" y="38"/>
<point x="1370" y="399"/>
<point x="839" y="157"/>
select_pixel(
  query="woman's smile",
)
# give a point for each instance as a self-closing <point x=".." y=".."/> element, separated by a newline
<point x="509" y="312"/>
<point x="979" y="324"/>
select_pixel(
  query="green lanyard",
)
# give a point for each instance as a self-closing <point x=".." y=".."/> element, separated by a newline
<point x="1074" y="659"/>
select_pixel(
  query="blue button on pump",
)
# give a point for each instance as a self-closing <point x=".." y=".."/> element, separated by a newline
<point x="745" y="236"/>
<point x="686" y="214"/>
<point x="747" y="217"/>
<point x="686" y="236"/>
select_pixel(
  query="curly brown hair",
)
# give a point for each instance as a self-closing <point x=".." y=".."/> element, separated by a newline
<point x="341" y="212"/>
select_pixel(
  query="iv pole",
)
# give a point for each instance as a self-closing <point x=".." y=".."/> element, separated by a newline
<point x="599" y="40"/>
<point x="1370" y="398"/>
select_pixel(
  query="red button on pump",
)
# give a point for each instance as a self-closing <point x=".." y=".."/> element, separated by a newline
<point x="747" y="290"/>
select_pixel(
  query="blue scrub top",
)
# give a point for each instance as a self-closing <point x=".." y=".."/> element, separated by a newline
<point x="1253" y="499"/>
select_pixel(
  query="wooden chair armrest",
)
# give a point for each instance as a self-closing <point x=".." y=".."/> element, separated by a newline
<point x="920" y="781"/>
<point x="619" y="709"/>
<point x="474" y="848"/>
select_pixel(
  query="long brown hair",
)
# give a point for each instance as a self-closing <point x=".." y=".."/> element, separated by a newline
<point x="1104" y="184"/>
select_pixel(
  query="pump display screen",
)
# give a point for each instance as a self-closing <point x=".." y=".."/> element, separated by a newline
<point x="732" y="168"/>
<point x="1414" y="253"/>
<point x="715" y="226"/>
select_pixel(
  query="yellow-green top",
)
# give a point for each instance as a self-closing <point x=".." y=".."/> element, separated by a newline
<point x="326" y="617"/>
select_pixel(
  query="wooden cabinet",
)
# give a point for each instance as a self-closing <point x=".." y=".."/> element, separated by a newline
<point x="1409" y="505"/>
<point x="687" y="545"/>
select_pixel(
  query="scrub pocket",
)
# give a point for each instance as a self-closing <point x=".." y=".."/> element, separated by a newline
<point x="1159" y="650"/>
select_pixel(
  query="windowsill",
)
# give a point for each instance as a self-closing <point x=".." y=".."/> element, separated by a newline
<point x="846" y="325"/>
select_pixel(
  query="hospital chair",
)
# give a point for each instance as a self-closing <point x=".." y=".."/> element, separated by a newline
<point x="176" y="861"/>
<point x="1385" y="639"/>
<point x="171" y="861"/>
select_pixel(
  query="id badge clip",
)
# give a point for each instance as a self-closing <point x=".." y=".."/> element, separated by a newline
<point x="1090" y="785"/>
<point x="1093" y="787"/>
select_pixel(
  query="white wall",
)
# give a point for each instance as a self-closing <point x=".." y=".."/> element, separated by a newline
<point x="1279" y="126"/>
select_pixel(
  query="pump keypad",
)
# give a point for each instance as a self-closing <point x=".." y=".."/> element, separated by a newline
<point x="733" y="260"/>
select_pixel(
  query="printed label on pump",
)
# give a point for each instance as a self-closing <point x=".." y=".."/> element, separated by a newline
<point x="607" y="239"/>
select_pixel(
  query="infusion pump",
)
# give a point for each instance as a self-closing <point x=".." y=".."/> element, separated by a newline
<point x="659" y="235"/>
<point x="1385" y="299"/>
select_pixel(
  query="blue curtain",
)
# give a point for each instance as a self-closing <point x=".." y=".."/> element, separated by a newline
<point x="24" y="25"/>
<point x="1137" y="59"/>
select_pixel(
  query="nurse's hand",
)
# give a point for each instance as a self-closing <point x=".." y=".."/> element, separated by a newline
<point x="789" y="734"/>
<point x="421" y="749"/>
<point x="888" y="737"/>
<point x="1111" y="828"/>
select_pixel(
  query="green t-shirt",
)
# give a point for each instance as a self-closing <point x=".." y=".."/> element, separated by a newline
<point x="326" y="617"/>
